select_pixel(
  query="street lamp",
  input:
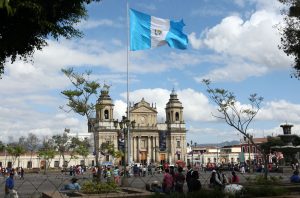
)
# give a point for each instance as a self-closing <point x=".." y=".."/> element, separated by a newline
<point x="125" y="125"/>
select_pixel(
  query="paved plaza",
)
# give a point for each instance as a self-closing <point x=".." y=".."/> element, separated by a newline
<point x="36" y="183"/>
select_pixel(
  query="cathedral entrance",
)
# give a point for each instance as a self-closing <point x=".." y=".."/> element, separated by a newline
<point x="162" y="158"/>
<point x="143" y="157"/>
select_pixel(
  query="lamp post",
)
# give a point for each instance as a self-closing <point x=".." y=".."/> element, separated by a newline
<point x="125" y="126"/>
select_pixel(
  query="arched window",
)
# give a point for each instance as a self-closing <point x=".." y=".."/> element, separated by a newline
<point x="177" y="116"/>
<point x="243" y="149"/>
<point x="106" y="114"/>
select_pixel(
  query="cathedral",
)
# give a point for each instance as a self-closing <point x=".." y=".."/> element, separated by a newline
<point x="150" y="141"/>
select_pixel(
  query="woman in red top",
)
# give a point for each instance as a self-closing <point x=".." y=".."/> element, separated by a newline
<point x="235" y="179"/>
<point x="167" y="182"/>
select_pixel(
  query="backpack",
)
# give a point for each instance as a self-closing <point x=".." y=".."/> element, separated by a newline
<point x="189" y="175"/>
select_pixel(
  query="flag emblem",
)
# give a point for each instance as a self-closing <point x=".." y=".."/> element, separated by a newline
<point x="148" y="32"/>
<point x="157" y="32"/>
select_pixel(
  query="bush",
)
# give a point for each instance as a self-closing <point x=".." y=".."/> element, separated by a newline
<point x="203" y="193"/>
<point x="265" y="190"/>
<point x="90" y="187"/>
<point x="261" y="180"/>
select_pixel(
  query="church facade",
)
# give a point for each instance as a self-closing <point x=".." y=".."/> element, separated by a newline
<point x="150" y="141"/>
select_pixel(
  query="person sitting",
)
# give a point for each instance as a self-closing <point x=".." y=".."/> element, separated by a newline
<point x="235" y="179"/>
<point x="215" y="181"/>
<point x="73" y="185"/>
<point x="295" y="177"/>
<point x="156" y="187"/>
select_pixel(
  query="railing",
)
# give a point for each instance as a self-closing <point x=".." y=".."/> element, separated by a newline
<point x="35" y="184"/>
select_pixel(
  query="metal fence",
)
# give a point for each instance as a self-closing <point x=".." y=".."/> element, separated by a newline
<point x="34" y="184"/>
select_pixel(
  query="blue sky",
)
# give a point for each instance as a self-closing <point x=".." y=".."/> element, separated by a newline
<point x="232" y="42"/>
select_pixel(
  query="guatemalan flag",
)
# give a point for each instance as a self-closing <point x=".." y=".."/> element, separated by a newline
<point x="148" y="32"/>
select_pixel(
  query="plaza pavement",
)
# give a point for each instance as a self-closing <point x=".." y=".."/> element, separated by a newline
<point x="34" y="184"/>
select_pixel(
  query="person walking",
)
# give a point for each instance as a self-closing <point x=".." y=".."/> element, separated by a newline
<point x="188" y="176"/>
<point x="179" y="179"/>
<point x="9" y="187"/>
<point x="22" y="173"/>
<point x="195" y="184"/>
<point x="117" y="175"/>
<point x="167" y="183"/>
<point x="108" y="175"/>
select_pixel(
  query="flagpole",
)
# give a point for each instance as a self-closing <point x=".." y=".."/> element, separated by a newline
<point x="128" y="114"/>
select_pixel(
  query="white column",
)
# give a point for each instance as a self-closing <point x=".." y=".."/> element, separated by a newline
<point x="133" y="150"/>
<point x="148" y="150"/>
<point x="157" y="150"/>
<point x="153" y="148"/>
<point x="138" y="149"/>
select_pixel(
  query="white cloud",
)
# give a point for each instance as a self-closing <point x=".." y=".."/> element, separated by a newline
<point x="90" y="24"/>
<point x="254" y="41"/>
<point x="196" y="105"/>
<point x="280" y="111"/>
<point x="196" y="43"/>
<point x="235" y="71"/>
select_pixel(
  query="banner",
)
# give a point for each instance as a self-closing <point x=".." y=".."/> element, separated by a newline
<point x="162" y="140"/>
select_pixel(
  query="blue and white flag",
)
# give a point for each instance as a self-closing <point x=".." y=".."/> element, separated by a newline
<point x="148" y="32"/>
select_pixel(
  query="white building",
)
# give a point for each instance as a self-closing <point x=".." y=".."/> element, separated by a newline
<point x="34" y="161"/>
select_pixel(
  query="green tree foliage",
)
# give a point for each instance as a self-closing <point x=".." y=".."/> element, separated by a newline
<point x="32" y="142"/>
<point x="62" y="145"/>
<point x="109" y="149"/>
<point x="4" y="4"/>
<point x="80" y="99"/>
<point x="47" y="152"/>
<point x="2" y="146"/>
<point x="15" y="150"/>
<point x="81" y="147"/>
<point x="26" y="24"/>
<point x="290" y="39"/>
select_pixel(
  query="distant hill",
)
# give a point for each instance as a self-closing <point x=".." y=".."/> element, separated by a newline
<point x="227" y="143"/>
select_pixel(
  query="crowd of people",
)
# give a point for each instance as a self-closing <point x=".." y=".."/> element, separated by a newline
<point x="174" y="177"/>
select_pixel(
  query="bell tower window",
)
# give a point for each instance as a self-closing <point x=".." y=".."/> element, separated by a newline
<point x="106" y="114"/>
<point x="177" y="116"/>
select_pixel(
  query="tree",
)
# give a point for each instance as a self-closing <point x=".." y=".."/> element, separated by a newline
<point x="80" y="100"/>
<point x="2" y="146"/>
<point x="234" y="115"/>
<point x="47" y="152"/>
<point x="81" y="147"/>
<point x="15" y="150"/>
<point x="26" y="24"/>
<point x="62" y="145"/>
<point x="290" y="39"/>
<point x="32" y="144"/>
<point x="108" y="148"/>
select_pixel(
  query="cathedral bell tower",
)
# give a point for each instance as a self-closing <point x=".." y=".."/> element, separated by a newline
<point x="174" y="110"/>
<point x="104" y="106"/>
